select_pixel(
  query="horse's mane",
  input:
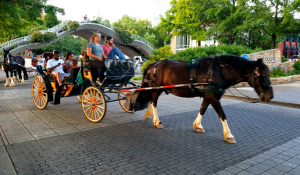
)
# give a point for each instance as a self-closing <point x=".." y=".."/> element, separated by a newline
<point x="232" y="61"/>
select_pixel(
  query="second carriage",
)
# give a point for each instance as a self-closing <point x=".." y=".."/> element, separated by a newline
<point x="81" y="83"/>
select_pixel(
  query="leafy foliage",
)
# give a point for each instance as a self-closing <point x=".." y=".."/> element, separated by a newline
<point x="158" y="54"/>
<point x="65" y="28"/>
<point x="128" y="23"/>
<point x="50" y="20"/>
<point x="18" y="17"/>
<point x="49" y="36"/>
<point x="37" y="36"/>
<point x="73" y="25"/>
<point x="124" y="35"/>
<point x="283" y="59"/>
<point x="68" y="43"/>
<point x="277" y="72"/>
<point x="296" y="66"/>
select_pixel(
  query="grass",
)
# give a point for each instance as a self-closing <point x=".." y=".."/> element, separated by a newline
<point x="137" y="78"/>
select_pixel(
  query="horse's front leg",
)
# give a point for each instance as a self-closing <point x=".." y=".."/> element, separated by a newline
<point x="197" y="123"/>
<point x="227" y="134"/>
<point x="7" y="82"/>
<point x="156" y="120"/>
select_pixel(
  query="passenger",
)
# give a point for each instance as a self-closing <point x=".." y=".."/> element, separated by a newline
<point x="29" y="53"/>
<point x="69" y="65"/>
<point x="96" y="56"/>
<point x="110" y="50"/>
<point x="55" y="66"/>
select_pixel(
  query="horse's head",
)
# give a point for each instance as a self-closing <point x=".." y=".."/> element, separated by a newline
<point x="259" y="79"/>
<point x="6" y="57"/>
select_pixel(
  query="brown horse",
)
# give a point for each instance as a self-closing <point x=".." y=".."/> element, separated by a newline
<point x="217" y="74"/>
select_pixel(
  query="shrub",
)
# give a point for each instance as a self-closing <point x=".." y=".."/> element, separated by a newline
<point x="37" y="36"/>
<point x="296" y="67"/>
<point x="277" y="72"/>
<point x="46" y="37"/>
<point x="49" y="36"/>
<point x="283" y="59"/>
<point x="65" y="28"/>
<point x="158" y="54"/>
<point x="73" y="25"/>
<point x="137" y="78"/>
<point x="124" y="35"/>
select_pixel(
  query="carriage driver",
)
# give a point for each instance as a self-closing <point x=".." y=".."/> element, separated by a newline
<point x="94" y="51"/>
<point x="55" y="66"/>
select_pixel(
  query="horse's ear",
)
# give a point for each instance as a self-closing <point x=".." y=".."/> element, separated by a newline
<point x="259" y="62"/>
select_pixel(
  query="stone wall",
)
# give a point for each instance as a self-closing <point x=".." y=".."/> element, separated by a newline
<point x="287" y="66"/>
<point x="272" y="58"/>
<point x="281" y="80"/>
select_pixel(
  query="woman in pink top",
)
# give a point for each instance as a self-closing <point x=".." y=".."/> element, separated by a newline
<point x="110" y="50"/>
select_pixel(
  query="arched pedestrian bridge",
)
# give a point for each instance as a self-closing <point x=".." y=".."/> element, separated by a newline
<point x="84" y="30"/>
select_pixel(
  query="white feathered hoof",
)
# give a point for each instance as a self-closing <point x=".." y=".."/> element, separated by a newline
<point x="12" y="83"/>
<point x="200" y="130"/>
<point x="230" y="140"/>
<point x="158" y="125"/>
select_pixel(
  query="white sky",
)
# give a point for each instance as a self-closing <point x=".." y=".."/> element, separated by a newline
<point x="112" y="9"/>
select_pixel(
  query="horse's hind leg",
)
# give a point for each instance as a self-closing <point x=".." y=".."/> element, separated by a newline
<point x="12" y="83"/>
<point x="227" y="134"/>
<point x="20" y="76"/>
<point x="156" y="120"/>
<point x="197" y="123"/>
<point x="149" y="112"/>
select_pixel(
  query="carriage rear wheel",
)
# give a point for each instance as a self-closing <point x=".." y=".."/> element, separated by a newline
<point x="39" y="92"/>
<point x="122" y="95"/>
<point x="93" y="104"/>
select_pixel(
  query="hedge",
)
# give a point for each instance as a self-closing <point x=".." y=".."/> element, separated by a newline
<point x="37" y="36"/>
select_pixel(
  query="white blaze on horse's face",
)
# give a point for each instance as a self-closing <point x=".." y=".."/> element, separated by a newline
<point x="7" y="57"/>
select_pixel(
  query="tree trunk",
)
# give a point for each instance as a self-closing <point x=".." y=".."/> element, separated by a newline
<point x="273" y="41"/>
<point x="231" y="40"/>
<point x="199" y="43"/>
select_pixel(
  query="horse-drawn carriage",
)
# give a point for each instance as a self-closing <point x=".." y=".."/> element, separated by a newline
<point x="81" y="83"/>
<point x="205" y="77"/>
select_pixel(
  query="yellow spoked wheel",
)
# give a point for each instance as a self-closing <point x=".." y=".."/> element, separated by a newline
<point x="123" y="94"/>
<point x="93" y="104"/>
<point x="39" y="92"/>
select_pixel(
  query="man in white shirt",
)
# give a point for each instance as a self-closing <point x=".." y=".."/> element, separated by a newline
<point x="55" y="66"/>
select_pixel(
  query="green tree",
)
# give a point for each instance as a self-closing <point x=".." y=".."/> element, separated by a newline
<point x="68" y="43"/>
<point x="16" y="15"/>
<point x="141" y="26"/>
<point x="182" y="20"/>
<point x="50" y="20"/>
<point x="275" y="18"/>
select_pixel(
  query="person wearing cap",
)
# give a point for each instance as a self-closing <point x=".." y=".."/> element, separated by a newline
<point x="29" y="53"/>
<point x="55" y="67"/>
<point x="110" y="50"/>
<point x="96" y="56"/>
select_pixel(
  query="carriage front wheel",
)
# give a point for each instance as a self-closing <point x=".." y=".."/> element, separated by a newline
<point x="121" y="96"/>
<point x="39" y="92"/>
<point x="93" y="104"/>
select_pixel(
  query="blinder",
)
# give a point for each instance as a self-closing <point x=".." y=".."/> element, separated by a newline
<point x="263" y="80"/>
